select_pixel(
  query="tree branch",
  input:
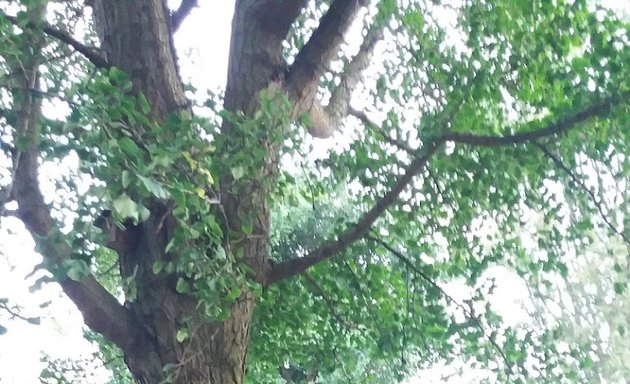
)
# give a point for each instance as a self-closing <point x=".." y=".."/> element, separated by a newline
<point x="363" y="117"/>
<point x="181" y="13"/>
<point x="277" y="16"/>
<point x="311" y="62"/>
<point x="65" y="37"/>
<point x="339" y="103"/>
<point x="598" y="204"/>
<point x="101" y="311"/>
<point x="314" y="58"/>
<point x="14" y="312"/>
<point x="359" y="229"/>
<point x="448" y="297"/>
<point x="599" y="109"/>
<point x="331" y="305"/>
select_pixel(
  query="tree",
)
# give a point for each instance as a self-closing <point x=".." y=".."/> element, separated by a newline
<point x="485" y="105"/>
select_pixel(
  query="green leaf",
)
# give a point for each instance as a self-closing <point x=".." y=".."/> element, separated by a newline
<point x="234" y="294"/>
<point x="619" y="287"/>
<point x="144" y="104"/>
<point x="182" y="285"/>
<point x="182" y="334"/>
<point x="247" y="228"/>
<point x="238" y="172"/>
<point x="129" y="146"/>
<point x="220" y="253"/>
<point x="155" y="188"/>
<point x="158" y="266"/>
<point x="125" y="208"/>
<point x="143" y="213"/>
<point x="126" y="178"/>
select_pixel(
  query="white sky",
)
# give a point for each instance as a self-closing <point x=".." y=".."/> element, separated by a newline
<point x="204" y="37"/>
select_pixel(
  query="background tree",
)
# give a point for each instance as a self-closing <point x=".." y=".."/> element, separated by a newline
<point x="485" y="107"/>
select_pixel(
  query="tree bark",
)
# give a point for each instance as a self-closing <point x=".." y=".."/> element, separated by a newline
<point x="136" y="38"/>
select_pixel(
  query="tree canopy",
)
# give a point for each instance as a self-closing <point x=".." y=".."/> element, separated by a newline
<point x="338" y="211"/>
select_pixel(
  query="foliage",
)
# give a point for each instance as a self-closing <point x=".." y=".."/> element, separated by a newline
<point x="586" y="310"/>
<point x="467" y="85"/>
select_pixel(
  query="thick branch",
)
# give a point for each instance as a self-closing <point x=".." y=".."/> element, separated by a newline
<point x="599" y="109"/>
<point x="358" y="230"/>
<point x="101" y="311"/>
<point x="314" y="58"/>
<point x="278" y="16"/>
<point x="321" y="48"/>
<point x="259" y="29"/>
<point x="181" y="13"/>
<point x="339" y="103"/>
<point x="325" y="121"/>
<point x="65" y="37"/>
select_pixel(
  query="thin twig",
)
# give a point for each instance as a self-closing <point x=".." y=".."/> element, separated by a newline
<point x="362" y="116"/>
<point x="327" y="300"/>
<point x="449" y="298"/>
<point x="598" y="204"/>
<point x="15" y="315"/>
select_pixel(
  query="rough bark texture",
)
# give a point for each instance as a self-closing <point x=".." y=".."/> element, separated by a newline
<point x="137" y="39"/>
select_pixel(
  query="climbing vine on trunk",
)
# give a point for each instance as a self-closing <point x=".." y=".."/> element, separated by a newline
<point x="446" y="125"/>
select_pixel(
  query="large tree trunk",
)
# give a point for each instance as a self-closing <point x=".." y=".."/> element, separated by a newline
<point x="137" y="39"/>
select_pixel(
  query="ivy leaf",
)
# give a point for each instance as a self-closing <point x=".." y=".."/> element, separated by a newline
<point x="220" y="253"/>
<point x="182" y="334"/>
<point x="233" y="294"/>
<point x="158" y="266"/>
<point x="238" y="172"/>
<point x="125" y="207"/>
<point x="182" y="286"/>
<point x="126" y="178"/>
<point x="208" y="175"/>
<point x="155" y="188"/>
<point x="143" y="213"/>
<point x="247" y="228"/>
<point x="144" y="104"/>
<point x="129" y="146"/>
